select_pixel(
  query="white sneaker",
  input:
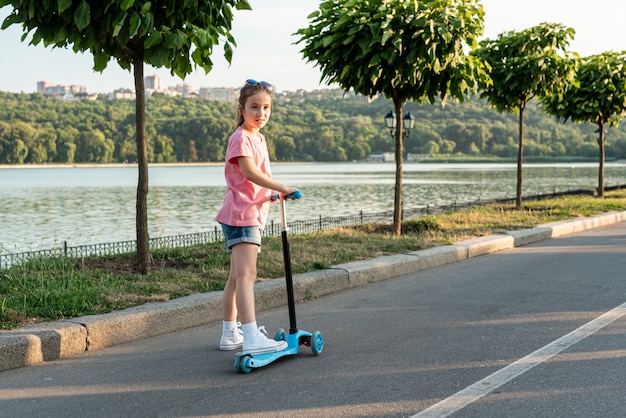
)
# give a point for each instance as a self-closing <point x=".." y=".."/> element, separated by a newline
<point x="232" y="339"/>
<point x="259" y="343"/>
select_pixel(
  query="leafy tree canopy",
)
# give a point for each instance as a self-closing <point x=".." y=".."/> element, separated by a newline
<point x="410" y="50"/>
<point x="525" y="64"/>
<point x="124" y="29"/>
<point x="598" y="94"/>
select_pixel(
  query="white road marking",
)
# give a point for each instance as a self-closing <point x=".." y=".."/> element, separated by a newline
<point x="492" y="382"/>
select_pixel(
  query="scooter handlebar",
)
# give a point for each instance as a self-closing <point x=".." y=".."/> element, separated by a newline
<point x="293" y="196"/>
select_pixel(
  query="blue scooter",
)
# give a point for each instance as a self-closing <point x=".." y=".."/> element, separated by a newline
<point x="245" y="362"/>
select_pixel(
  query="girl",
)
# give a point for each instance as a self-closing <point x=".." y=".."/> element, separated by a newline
<point x="249" y="187"/>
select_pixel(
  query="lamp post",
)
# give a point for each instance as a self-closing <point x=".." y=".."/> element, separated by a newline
<point x="408" y="123"/>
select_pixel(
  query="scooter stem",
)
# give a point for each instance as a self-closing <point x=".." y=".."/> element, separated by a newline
<point x="293" y="327"/>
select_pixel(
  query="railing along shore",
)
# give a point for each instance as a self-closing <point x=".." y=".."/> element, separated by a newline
<point x="272" y="229"/>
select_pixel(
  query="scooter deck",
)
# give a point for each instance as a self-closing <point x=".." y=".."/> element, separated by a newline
<point x="245" y="362"/>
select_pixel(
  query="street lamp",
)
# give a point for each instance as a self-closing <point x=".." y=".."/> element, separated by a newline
<point x="408" y="123"/>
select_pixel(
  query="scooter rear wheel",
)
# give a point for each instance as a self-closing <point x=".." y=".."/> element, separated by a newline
<point x="244" y="364"/>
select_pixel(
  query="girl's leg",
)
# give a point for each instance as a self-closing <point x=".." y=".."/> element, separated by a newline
<point x="243" y="269"/>
<point x="229" y="306"/>
<point x="244" y="259"/>
<point x="232" y="336"/>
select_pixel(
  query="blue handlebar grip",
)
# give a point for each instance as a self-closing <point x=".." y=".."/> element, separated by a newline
<point x="295" y="195"/>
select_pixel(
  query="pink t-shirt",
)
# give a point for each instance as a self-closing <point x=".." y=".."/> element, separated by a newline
<point x="245" y="203"/>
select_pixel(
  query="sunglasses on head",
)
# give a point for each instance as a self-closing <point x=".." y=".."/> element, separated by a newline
<point x="254" y="82"/>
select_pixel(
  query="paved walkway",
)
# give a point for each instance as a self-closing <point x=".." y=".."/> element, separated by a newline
<point x="535" y="329"/>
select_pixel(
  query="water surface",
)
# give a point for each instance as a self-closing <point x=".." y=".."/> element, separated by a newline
<point x="43" y="207"/>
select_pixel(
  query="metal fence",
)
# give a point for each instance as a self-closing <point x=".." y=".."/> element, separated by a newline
<point x="272" y="229"/>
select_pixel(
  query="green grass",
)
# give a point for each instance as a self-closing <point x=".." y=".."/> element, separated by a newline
<point x="53" y="288"/>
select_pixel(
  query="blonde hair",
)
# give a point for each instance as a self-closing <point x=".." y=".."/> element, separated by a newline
<point x="251" y="88"/>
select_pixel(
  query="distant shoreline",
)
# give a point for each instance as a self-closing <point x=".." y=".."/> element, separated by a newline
<point x="437" y="160"/>
<point x="118" y="165"/>
<point x="113" y="165"/>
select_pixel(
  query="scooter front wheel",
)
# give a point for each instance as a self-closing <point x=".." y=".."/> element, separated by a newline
<point x="317" y="343"/>
<point x="280" y="335"/>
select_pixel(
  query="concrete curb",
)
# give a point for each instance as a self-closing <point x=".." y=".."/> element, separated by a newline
<point x="42" y="342"/>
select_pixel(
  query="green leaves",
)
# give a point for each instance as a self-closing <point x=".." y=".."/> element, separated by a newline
<point x="175" y="39"/>
<point x="82" y="16"/>
<point x="127" y="4"/>
<point x="100" y="61"/>
<point x="412" y="48"/>
<point x="228" y="52"/>
<point x="160" y="33"/>
<point x="597" y="94"/>
<point x="63" y="5"/>
<point x="525" y="64"/>
<point x="243" y="5"/>
<point x="135" y="22"/>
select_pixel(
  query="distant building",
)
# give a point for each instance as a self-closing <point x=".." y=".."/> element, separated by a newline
<point x="122" y="94"/>
<point x="220" y="94"/>
<point x="183" y="90"/>
<point x="60" y="92"/>
<point x="152" y="82"/>
<point x="416" y="157"/>
<point x="384" y="157"/>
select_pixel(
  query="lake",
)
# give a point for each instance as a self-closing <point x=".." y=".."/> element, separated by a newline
<point x="42" y="207"/>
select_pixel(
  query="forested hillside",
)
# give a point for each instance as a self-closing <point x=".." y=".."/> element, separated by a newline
<point x="37" y="130"/>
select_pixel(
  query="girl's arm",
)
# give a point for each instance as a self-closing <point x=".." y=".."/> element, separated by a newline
<point x="252" y="173"/>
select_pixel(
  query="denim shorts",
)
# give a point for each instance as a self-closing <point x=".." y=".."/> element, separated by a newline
<point x="238" y="234"/>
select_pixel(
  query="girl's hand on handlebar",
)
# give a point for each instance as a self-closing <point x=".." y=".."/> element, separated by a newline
<point x="288" y="191"/>
<point x="293" y="196"/>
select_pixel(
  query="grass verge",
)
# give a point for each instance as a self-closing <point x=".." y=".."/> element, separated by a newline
<point x="55" y="288"/>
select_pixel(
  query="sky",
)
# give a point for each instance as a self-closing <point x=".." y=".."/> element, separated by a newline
<point x="266" y="50"/>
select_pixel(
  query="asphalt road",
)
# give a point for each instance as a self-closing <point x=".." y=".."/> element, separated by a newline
<point x="536" y="331"/>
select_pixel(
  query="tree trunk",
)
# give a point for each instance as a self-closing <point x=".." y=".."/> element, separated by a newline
<point x="520" y="159"/>
<point x="143" y="240"/>
<point x="602" y="157"/>
<point x="397" y="201"/>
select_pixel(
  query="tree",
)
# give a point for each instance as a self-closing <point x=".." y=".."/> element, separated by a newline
<point x="405" y="50"/>
<point x="285" y="148"/>
<point x="598" y="95"/>
<point x="175" y="35"/>
<point x="524" y="65"/>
